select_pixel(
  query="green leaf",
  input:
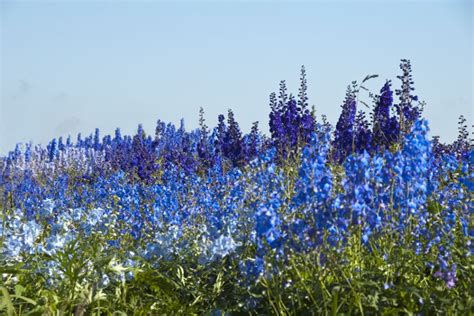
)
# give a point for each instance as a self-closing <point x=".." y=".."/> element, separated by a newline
<point x="368" y="77"/>
<point x="19" y="289"/>
<point x="26" y="299"/>
<point x="334" y="306"/>
<point x="6" y="301"/>
<point x="368" y="106"/>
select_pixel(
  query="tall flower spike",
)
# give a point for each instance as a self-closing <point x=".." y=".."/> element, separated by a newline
<point x="385" y="128"/>
<point x="303" y="96"/>
<point x="273" y="102"/>
<point x="118" y="136"/>
<point x="252" y="145"/>
<point x="52" y="150"/>
<point x="283" y="97"/>
<point x="292" y="122"/>
<point x="79" y="140"/>
<point x="463" y="145"/>
<point x="203" y="145"/>
<point x="61" y="146"/>
<point x="344" y="133"/>
<point x="221" y="131"/>
<point x="96" y="139"/>
<point x="363" y="135"/>
<point x="408" y="113"/>
<point x="276" y="127"/>
<point x="233" y="141"/>
<point x="202" y="122"/>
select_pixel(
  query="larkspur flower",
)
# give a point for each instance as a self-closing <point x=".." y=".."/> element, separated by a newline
<point x="219" y="195"/>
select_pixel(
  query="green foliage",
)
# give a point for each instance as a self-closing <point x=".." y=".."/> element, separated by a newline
<point x="384" y="278"/>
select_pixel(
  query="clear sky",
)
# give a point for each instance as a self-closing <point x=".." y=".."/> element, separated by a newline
<point x="68" y="67"/>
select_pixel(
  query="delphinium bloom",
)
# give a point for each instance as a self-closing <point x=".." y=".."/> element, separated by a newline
<point x="208" y="199"/>
<point x="52" y="150"/>
<point x="385" y="127"/>
<point x="411" y="178"/>
<point x="252" y="143"/>
<point x="223" y="246"/>
<point x="463" y="144"/>
<point x="275" y="122"/>
<point x="142" y="156"/>
<point x="408" y="112"/>
<point x="307" y="120"/>
<point x="203" y="148"/>
<point x="313" y="194"/>
<point x="362" y="133"/>
<point x="358" y="192"/>
<point x="232" y="142"/>
<point x="20" y="236"/>
<point x="291" y="122"/>
<point x="343" y="142"/>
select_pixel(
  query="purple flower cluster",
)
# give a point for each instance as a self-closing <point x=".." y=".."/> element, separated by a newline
<point x="385" y="126"/>
<point x="218" y="193"/>
<point x="291" y="122"/>
<point x="354" y="134"/>
<point x="408" y="113"/>
<point x="343" y="143"/>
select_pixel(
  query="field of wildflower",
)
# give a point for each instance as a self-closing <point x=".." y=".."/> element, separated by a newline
<point x="371" y="216"/>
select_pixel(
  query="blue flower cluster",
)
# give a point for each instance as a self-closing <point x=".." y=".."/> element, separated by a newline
<point x="215" y="194"/>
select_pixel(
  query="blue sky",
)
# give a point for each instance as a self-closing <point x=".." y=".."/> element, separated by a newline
<point x="68" y="67"/>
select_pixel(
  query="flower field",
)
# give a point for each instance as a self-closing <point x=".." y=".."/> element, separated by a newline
<point x="370" y="216"/>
